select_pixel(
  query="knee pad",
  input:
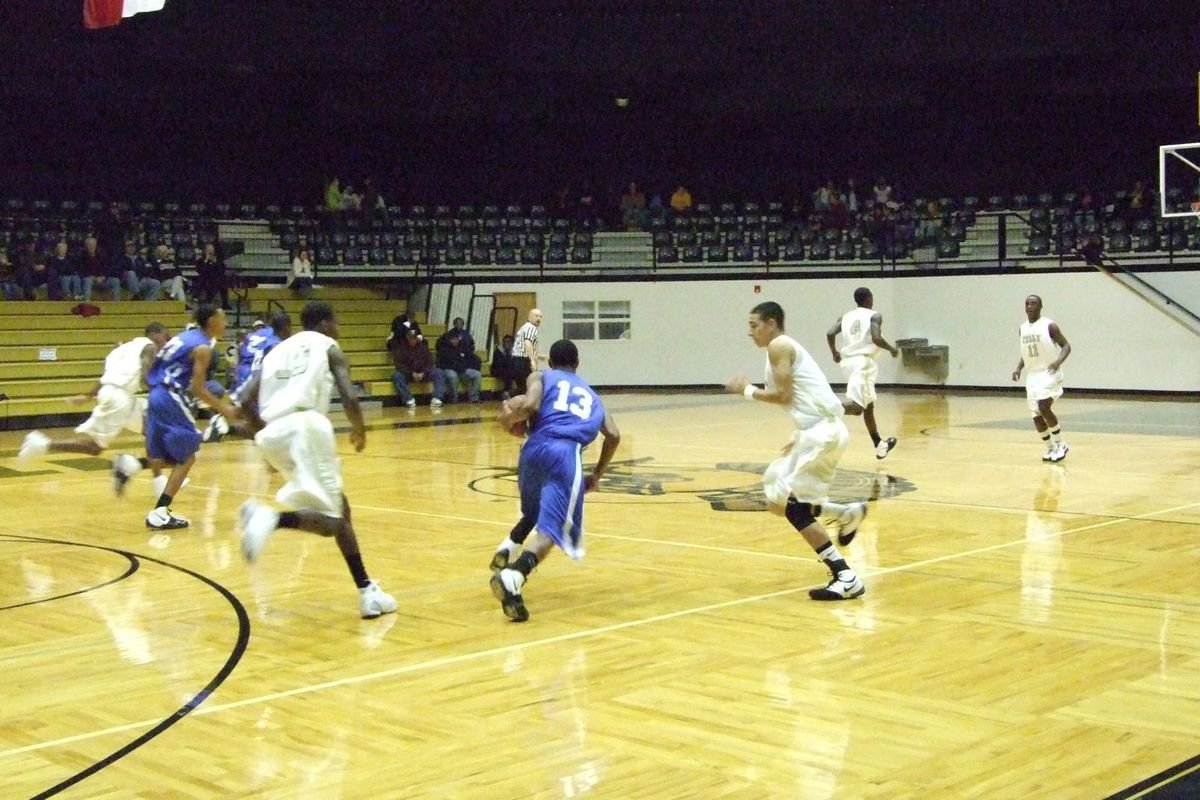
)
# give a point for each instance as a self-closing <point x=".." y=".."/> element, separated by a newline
<point x="799" y="514"/>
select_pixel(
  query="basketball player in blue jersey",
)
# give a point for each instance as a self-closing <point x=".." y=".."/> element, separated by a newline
<point x="564" y="415"/>
<point x="171" y="436"/>
<point x="256" y="344"/>
<point x="797" y="484"/>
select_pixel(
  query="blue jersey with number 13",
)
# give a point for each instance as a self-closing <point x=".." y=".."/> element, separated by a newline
<point x="570" y="409"/>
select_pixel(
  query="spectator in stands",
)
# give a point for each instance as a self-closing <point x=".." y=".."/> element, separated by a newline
<point x="333" y="195"/>
<point x="351" y="200"/>
<point x="163" y="269"/>
<point x="301" y="274"/>
<point x="883" y="192"/>
<point x="820" y="198"/>
<point x="681" y="200"/>
<point x="633" y="208"/>
<point x="372" y="201"/>
<point x="585" y="208"/>
<point x="456" y="358"/>
<point x="878" y="227"/>
<point x="110" y="232"/>
<point x="905" y="227"/>
<point x="503" y="367"/>
<point x="1141" y="201"/>
<point x="414" y="363"/>
<point x="96" y="267"/>
<point x="839" y="216"/>
<point x="931" y="223"/>
<point x="561" y="206"/>
<point x="211" y="277"/>
<point x="69" y="283"/>
<point x="8" y="278"/>
<point x="852" y="198"/>
<point x="133" y="271"/>
<point x="38" y="275"/>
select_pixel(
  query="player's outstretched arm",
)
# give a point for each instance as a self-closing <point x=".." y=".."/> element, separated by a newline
<point x="340" y="368"/>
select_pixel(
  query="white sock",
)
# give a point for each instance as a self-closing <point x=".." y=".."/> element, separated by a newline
<point x="508" y="545"/>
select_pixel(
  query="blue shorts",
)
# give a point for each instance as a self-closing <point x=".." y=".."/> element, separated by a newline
<point x="171" y="434"/>
<point x="550" y="474"/>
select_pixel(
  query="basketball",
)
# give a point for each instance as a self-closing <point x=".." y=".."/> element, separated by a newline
<point x="518" y="429"/>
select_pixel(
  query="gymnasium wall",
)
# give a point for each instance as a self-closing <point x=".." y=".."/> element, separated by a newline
<point x="695" y="332"/>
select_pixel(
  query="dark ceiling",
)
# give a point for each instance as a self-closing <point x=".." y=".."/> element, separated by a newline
<point x="266" y="96"/>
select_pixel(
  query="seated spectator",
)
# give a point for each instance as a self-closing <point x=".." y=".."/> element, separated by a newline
<point x="413" y="362"/>
<point x="162" y="268"/>
<point x="503" y="367"/>
<point x="839" y="216"/>
<point x="301" y="274"/>
<point x="905" y="227"/>
<point x="372" y="201"/>
<point x="1141" y="201"/>
<point x="8" y="278"/>
<point x="883" y="192"/>
<point x="681" y="200"/>
<point x="69" y="283"/>
<point x="400" y="326"/>
<point x="931" y="223"/>
<point x="561" y="206"/>
<point x="456" y="358"/>
<point x="133" y="271"/>
<point x="211" y="277"/>
<point x="351" y="200"/>
<point x="95" y="268"/>
<point x="37" y="275"/>
<point x="333" y="195"/>
<point x="633" y="208"/>
<point x="820" y="198"/>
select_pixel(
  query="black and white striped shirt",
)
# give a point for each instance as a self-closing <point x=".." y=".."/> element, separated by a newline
<point x="527" y="333"/>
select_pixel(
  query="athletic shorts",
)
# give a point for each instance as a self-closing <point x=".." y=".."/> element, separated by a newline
<point x="1042" y="385"/>
<point x="301" y="445"/>
<point x="171" y="434"/>
<point x="550" y="475"/>
<point x="116" y="409"/>
<point x="807" y="470"/>
<point x="861" y="373"/>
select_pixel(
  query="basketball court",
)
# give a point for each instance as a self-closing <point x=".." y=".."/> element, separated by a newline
<point x="1029" y="629"/>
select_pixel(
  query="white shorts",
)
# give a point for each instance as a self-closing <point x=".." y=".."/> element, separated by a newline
<point x="807" y="470"/>
<point x="302" y="447"/>
<point x="861" y="374"/>
<point x="116" y="409"/>
<point x="1042" y="385"/>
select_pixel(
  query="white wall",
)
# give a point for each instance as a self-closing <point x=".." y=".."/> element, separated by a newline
<point x="695" y="332"/>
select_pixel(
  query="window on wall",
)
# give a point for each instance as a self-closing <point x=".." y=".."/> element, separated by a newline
<point x="593" y="320"/>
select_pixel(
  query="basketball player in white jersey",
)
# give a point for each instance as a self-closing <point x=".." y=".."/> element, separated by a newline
<point x="861" y="342"/>
<point x="797" y="484"/>
<point x="1043" y="351"/>
<point x="289" y="398"/>
<point x="117" y="404"/>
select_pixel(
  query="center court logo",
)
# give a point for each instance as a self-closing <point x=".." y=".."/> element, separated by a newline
<point x="726" y="486"/>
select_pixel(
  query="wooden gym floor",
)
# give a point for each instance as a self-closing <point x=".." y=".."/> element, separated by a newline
<point x="1029" y="630"/>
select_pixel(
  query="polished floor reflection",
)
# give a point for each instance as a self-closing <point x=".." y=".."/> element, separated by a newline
<point x="1029" y="630"/>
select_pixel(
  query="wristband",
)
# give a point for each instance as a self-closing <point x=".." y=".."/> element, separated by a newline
<point x="748" y="392"/>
